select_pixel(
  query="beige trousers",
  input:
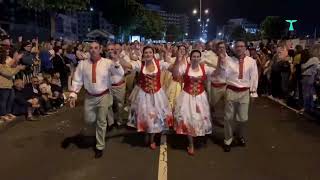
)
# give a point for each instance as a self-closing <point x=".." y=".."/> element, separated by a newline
<point x="118" y="93"/>
<point x="95" y="112"/>
<point x="236" y="108"/>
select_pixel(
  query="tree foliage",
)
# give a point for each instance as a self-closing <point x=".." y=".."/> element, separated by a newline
<point x="55" y="5"/>
<point x="150" y="25"/>
<point x="174" y="33"/>
<point x="238" y="33"/>
<point x="131" y="17"/>
<point x="273" y="27"/>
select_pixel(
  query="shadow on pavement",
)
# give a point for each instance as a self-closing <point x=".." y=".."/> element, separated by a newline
<point x="180" y="142"/>
<point x="139" y="139"/>
<point x="81" y="141"/>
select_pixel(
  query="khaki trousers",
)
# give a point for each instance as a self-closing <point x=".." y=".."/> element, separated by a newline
<point x="95" y="112"/>
<point x="118" y="93"/>
<point x="236" y="108"/>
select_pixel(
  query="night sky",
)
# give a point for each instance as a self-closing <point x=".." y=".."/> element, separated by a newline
<point x="307" y="12"/>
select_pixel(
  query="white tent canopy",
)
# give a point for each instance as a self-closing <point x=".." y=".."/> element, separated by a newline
<point x="100" y="33"/>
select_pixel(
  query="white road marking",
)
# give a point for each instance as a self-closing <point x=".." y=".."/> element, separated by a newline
<point x="163" y="159"/>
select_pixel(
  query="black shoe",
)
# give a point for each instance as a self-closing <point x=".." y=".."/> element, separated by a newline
<point x="242" y="142"/>
<point x="98" y="153"/>
<point x="226" y="148"/>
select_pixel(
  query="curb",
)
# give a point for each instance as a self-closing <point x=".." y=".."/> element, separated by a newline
<point x="292" y="109"/>
<point x="7" y="125"/>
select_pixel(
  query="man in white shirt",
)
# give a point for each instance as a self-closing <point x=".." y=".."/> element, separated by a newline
<point x="210" y="58"/>
<point x="95" y="75"/>
<point x="218" y="83"/>
<point x="242" y="82"/>
<point x="118" y="87"/>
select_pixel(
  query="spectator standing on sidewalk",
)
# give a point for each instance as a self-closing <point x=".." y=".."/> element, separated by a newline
<point x="45" y="58"/>
<point x="60" y="65"/>
<point x="7" y="72"/>
<point x="28" y="61"/>
<point x="280" y="72"/>
<point x="309" y="71"/>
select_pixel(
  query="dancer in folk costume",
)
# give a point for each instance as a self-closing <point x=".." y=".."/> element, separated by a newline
<point x="95" y="75"/>
<point x="151" y="112"/>
<point x="168" y="56"/>
<point x="218" y="84"/>
<point x="175" y="84"/>
<point x="192" y="110"/>
<point x="241" y="74"/>
<point x="134" y="55"/>
<point x="118" y="86"/>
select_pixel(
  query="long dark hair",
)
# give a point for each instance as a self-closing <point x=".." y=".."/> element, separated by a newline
<point x="147" y="47"/>
<point x="195" y="51"/>
<point x="3" y="55"/>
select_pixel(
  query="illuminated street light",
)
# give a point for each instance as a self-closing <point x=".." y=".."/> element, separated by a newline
<point x="186" y="34"/>
<point x="208" y="20"/>
<point x="206" y="25"/>
<point x="220" y="33"/>
<point x="199" y="20"/>
<point x="91" y="9"/>
<point x="206" y="11"/>
<point x="194" y="11"/>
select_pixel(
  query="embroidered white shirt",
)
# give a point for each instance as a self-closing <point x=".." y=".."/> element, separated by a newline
<point x="85" y="76"/>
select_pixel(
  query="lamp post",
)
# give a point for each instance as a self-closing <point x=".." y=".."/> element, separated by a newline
<point x="203" y="23"/>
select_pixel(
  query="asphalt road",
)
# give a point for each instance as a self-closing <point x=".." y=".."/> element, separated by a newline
<point x="282" y="145"/>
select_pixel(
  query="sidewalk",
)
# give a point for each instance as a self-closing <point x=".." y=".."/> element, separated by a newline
<point x="7" y="125"/>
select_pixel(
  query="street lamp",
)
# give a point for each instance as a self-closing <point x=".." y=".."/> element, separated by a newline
<point x="91" y="9"/>
<point x="201" y="19"/>
<point x="194" y="11"/>
<point x="186" y="34"/>
<point x="220" y="33"/>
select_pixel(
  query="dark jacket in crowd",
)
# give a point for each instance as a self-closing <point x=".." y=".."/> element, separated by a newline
<point x="30" y="92"/>
<point x="60" y="65"/>
<point x="28" y="60"/>
<point x="46" y="63"/>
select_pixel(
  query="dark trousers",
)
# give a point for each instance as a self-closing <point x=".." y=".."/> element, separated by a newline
<point x="6" y="101"/>
<point x="276" y="85"/>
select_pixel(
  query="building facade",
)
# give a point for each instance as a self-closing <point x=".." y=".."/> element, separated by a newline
<point x="180" y="20"/>
<point x="66" y="26"/>
<point x="226" y="30"/>
<point x="18" y="21"/>
<point x="89" y="21"/>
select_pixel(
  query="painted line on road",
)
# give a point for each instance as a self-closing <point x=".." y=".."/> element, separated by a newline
<point x="163" y="159"/>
